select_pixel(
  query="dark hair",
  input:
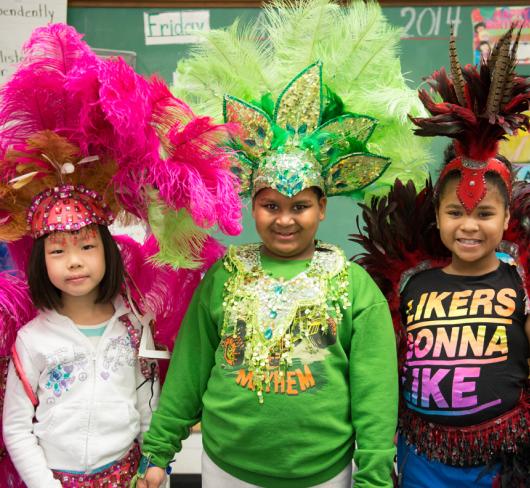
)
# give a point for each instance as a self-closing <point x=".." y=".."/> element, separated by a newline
<point x="477" y="25"/>
<point x="491" y="177"/>
<point x="318" y="192"/>
<point x="47" y="296"/>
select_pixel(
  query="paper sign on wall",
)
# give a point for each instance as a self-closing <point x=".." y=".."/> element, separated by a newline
<point x="490" y="23"/>
<point x="175" y="27"/>
<point x="18" y="18"/>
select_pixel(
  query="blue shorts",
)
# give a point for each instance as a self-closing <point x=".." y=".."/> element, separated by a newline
<point x="416" y="471"/>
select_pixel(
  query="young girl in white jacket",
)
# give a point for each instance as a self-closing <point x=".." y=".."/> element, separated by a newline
<point x="88" y="400"/>
<point x="81" y="139"/>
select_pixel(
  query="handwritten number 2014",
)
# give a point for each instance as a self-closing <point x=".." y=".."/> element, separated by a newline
<point x="426" y="22"/>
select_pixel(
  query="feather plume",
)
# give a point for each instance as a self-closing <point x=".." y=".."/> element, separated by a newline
<point x="8" y="473"/>
<point x="194" y="170"/>
<point x="20" y="252"/>
<point x="518" y="231"/>
<point x="168" y="112"/>
<point x="35" y="98"/>
<point x="114" y="131"/>
<point x="237" y="49"/>
<point x="500" y="71"/>
<point x="180" y="240"/>
<point x="358" y="49"/>
<point x="456" y="70"/>
<point x="511" y="74"/>
<point x="16" y="309"/>
<point x="163" y="290"/>
<point x="495" y="100"/>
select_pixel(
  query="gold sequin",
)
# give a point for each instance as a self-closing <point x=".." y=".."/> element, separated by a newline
<point x="255" y="125"/>
<point x="354" y="172"/>
<point x="332" y="157"/>
<point x="243" y="169"/>
<point x="299" y="106"/>
<point x="265" y="318"/>
<point x="333" y="136"/>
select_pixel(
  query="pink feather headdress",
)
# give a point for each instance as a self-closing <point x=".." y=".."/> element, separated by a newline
<point x="69" y="118"/>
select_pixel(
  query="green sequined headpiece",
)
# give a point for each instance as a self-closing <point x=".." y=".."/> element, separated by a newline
<point x="300" y="142"/>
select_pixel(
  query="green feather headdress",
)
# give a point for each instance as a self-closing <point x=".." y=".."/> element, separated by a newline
<point x="358" y="51"/>
<point x="298" y="146"/>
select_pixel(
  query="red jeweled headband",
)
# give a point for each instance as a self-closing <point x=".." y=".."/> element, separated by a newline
<point x="66" y="208"/>
<point x="472" y="185"/>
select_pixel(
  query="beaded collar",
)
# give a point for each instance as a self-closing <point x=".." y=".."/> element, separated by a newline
<point x="265" y="318"/>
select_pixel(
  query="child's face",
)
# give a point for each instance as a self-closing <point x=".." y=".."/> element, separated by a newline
<point x="75" y="262"/>
<point x="287" y="226"/>
<point x="472" y="238"/>
<point x="483" y="34"/>
<point x="485" y="49"/>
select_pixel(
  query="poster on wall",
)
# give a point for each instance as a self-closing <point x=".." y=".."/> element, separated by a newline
<point x="517" y="149"/>
<point x="18" y="18"/>
<point x="490" y="23"/>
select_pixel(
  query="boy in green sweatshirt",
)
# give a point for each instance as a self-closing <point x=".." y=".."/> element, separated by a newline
<point x="287" y="353"/>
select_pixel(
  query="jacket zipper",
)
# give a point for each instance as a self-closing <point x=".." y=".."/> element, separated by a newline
<point x="90" y="410"/>
<point x="94" y="372"/>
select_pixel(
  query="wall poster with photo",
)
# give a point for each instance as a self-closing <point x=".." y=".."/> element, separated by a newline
<point x="490" y="23"/>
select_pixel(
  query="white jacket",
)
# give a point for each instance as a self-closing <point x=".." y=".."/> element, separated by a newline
<point x="90" y="411"/>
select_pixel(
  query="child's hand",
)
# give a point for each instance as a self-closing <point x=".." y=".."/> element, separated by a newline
<point x="154" y="478"/>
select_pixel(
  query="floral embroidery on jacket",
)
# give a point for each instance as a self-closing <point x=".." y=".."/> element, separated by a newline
<point x="119" y="352"/>
<point x="60" y="379"/>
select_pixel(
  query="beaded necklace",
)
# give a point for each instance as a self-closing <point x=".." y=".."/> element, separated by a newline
<point x="268" y="317"/>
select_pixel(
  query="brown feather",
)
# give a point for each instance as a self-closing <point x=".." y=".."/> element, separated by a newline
<point x="46" y="152"/>
<point x="498" y="80"/>
<point x="495" y="53"/>
<point x="456" y="70"/>
<point x="508" y="87"/>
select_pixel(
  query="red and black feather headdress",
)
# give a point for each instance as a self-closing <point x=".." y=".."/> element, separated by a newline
<point x="478" y="107"/>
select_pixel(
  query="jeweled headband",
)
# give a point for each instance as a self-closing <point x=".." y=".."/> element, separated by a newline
<point x="471" y="187"/>
<point x="66" y="208"/>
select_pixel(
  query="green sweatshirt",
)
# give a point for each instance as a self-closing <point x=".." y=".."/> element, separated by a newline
<point x="342" y="391"/>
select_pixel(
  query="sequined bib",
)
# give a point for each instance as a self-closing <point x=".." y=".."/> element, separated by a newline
<point x="265" y="318"/>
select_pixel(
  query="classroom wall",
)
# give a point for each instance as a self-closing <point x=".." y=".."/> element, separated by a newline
<point x="424" y="48"/>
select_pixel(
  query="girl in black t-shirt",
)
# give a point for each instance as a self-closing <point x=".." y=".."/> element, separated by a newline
<point x="467" y="333"/>
<point x="465" y="325"/>
<point x="460" y="315"/>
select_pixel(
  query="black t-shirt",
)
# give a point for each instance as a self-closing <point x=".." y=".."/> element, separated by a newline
<point x="467" y="349"/>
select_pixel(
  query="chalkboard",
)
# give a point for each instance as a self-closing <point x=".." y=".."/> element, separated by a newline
<point x="424" y="48"/>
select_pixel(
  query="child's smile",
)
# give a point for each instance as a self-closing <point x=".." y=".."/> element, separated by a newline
<point x="283" y="235"/>
<point x="77" y="280"/>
